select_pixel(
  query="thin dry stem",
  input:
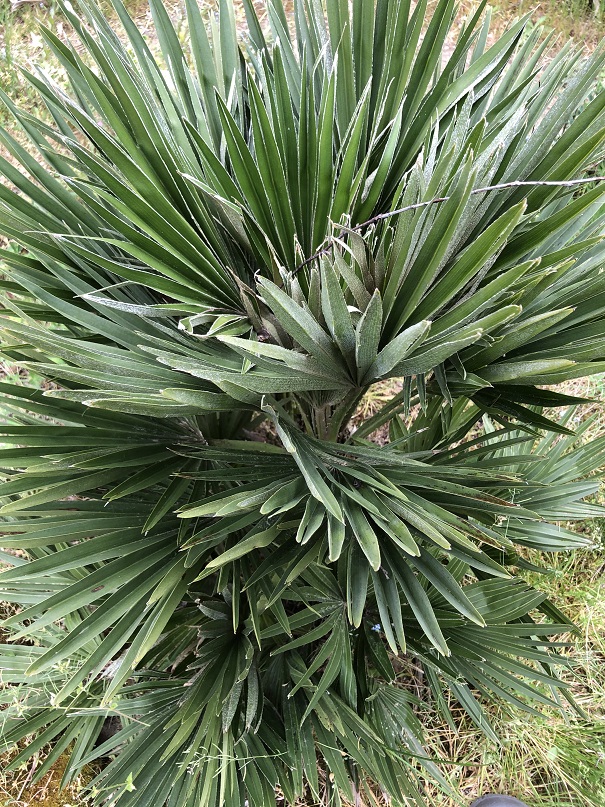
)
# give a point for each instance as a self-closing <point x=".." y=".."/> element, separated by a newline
<point x="569" y="183"/>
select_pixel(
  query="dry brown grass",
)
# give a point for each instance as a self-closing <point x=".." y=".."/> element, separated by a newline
<point x="17" y="790"/>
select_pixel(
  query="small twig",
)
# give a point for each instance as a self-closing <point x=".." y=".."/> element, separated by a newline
<point x="16" y="5"/>
<point x="381" y="216"/>
<point x="597" y="575"/>
<point x="30" y="775"/>
<point x="418" y="678"/>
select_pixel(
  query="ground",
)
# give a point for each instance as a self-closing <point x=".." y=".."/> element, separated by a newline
<point x="549" y="761"/>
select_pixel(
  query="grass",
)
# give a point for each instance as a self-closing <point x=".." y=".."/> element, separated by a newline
<point x="551" y="760"/>
<point x="548" y="760"/>
<point x="582" y="21"/>
<point x="21" y="45"/>
<point x="19" y="42"/>
<point x="16" y="789"/>
<point x="554" y="759"/>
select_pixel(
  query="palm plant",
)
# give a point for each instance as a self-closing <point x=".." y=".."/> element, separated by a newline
<point x="221" y="248"/>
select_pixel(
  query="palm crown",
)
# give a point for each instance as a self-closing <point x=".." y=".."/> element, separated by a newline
<point x="222" y="248"/>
